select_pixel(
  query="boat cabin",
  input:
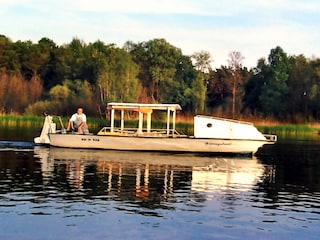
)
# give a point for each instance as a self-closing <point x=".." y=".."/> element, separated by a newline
<point x="214" y="127"/>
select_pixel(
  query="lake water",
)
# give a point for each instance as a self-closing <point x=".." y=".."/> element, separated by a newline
<point x="54" y="193"/>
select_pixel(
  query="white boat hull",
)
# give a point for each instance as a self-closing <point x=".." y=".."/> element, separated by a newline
<point x="174" y="144"/>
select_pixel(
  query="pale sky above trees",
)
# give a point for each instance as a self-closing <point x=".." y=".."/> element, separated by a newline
<point x="249" y="26"/>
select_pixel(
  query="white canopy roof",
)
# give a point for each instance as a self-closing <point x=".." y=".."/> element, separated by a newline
<point x="137" y="106"/>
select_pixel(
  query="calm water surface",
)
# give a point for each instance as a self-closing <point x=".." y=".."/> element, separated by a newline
<point x="54" y="193"/>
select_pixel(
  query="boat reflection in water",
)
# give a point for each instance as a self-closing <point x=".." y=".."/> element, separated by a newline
<point x="146" y="175"/>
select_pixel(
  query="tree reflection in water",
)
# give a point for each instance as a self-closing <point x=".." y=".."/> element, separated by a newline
<point x="144" y="176"/>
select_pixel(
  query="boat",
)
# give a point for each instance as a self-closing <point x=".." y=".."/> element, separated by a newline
<point x="211" y="134"/>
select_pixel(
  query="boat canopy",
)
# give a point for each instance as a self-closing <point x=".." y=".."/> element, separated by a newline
<point x="143" y="108"/>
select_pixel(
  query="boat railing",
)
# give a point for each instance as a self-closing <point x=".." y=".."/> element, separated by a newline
<point x="143" y="133"/>
<point x="54" y="119"/>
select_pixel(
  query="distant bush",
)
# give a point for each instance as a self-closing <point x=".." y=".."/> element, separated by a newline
<point x="49" y="107"/>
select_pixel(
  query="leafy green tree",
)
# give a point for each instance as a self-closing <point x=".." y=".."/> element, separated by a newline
<point x="117" y="76"/>
<point x="202" y="62"/>
<point x="48" y="72"/>
<point x="25" y="51"/>
<point x="79" y="94"/>
<point x="184" y="77"/>
<point x="275" y="89"/>
<point x="253" y="88"/>
<point x="56" y="68"/>
<point x="314" y="95"/>
<point x="97" y="59"/>
<point x="300" y="82"/>
<point x="4" y="42"/>
<point x="9" y="58"/>
<point x="157" y="60"/>
<point x="197" y="94"/>
<point x="59" y="93"/>
<point x="75" y="59"/>
<point x="218" y="89"/>
<point x="35" y="57"/>
<point x="267" y="90"/>
<point x="68" y="62"/>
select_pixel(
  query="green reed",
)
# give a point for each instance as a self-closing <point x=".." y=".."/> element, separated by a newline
<point x="20" y="121"/>
<point x="290" y="130"/>
<point x="95" y="124"/>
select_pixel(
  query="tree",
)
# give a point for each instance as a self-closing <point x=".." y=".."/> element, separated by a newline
<point x="14" y="93"/>
<point x="36" y="57"/>
<point x="56" y="69"/>
<point x="235" y="64"/>
<point x="197" y="93"/>
<point x="253" y="88"/>
<point x="202" y="61"/>
<point x="275" y="90"/>
<point x="300" y="83"/>
<point x="157" y="60"/>
<point x="184" y="77"/>
<point x="60" y="93"/>
<point x="9" y="57"/>
<point x="117" y="76"/>
<point x="218" y="89"/>
<point x="314" y="95"/>
<point x="267" y="89"/>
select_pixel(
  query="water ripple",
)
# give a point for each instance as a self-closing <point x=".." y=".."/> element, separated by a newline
<point x="97" y="191"/>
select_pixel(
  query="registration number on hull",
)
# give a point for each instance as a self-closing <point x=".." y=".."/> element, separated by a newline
<point x="89" y="139"/>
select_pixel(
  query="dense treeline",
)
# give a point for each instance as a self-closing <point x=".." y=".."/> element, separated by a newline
<point x="44" y="77"/>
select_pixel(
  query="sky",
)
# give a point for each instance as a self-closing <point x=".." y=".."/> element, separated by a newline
<point x="251" y="27"/>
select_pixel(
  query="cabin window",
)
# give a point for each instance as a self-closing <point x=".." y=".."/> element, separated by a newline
<point x="209" y="125"/>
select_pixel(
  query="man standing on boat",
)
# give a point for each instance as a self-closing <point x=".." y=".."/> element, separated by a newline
<point x="78" y="122"/>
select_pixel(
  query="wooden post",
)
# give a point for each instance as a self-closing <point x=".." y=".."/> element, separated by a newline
<point x="140" y="123"/>
<point x="168" y="121"/>
<point x="149" y="121"/>
<point x="173" y="122"/>
<point x="112" y="121"/>
<point x="122" y="120"/>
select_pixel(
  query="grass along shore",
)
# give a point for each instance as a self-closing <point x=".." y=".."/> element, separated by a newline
<point x="37" y="121"/>
<point x="94" y="124"/>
